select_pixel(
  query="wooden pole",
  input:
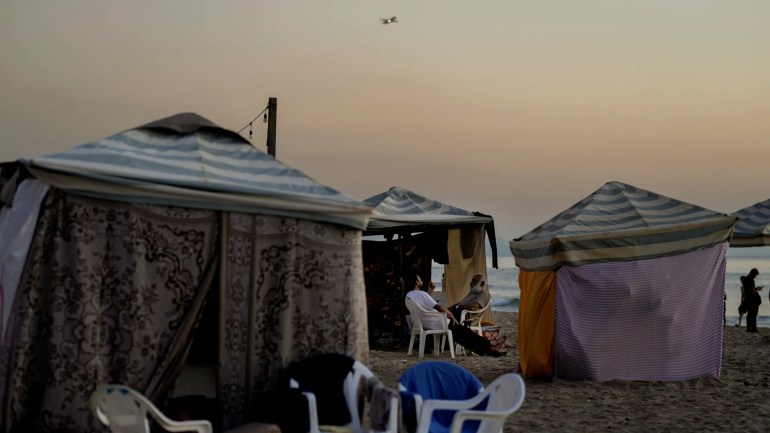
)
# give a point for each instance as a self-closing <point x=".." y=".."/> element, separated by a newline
<point x="272" y="117"/>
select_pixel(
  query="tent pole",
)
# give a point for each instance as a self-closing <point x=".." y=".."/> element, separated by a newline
<point x="224" y="235"/>
<point x="272" y="119"/>
<point x="401" y="257"/>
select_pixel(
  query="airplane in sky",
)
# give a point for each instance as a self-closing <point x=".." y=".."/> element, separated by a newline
<point x="388" y="20"/>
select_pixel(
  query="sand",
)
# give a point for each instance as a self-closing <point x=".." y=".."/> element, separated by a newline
<point x="738" y="401"/>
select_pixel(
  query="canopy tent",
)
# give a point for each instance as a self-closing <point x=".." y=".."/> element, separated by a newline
<point x="399" y="207"/>
<point x="753" y="228"/>
<point x="620" y="222"/>
<point x="620" y="286"/>
<point x="185" y="160"/>
<point x="142" y="235"/>
<point x="451" y="236"/>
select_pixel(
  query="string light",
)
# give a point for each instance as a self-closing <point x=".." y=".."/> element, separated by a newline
<point x="250" y="126"/>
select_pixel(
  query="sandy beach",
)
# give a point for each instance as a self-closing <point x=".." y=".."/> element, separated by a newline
<point x="738" y="401"/>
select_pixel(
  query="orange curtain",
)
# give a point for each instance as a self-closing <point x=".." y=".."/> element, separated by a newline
<point x="537" y="321"/>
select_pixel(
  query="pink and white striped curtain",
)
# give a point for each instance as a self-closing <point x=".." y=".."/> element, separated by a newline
<point x="655" y="319"/>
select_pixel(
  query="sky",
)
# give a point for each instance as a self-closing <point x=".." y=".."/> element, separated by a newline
<point x="517" y="109"/>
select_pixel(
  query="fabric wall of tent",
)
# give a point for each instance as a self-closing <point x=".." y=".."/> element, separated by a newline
<point x="753" y="228"/>
<point x="112" y="253"/>
<point x="417" y="230"/>
<point x="626" y="284"/>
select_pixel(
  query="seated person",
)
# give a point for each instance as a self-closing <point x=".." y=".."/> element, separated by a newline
<point x="461" y="335"/>
<point x="476" y="299"/>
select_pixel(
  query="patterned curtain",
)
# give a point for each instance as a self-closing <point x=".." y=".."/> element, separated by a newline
<point x="111" y="292"/>
<point x="386" y="263"/>
<point x="292" y="288"/>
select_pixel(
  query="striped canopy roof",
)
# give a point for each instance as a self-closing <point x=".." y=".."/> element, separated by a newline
<point x="620" y="222"/>
<point x="187" y="160"/>
<point x="753" y="228"/>
<point x="398" y="207"/>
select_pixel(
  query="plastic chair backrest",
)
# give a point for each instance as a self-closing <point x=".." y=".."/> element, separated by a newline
<point x="473" y="315"/>
<point x="125" y="410"/>
<point x="441" y="380"/>
<point x="313" y="374"/>
<point x="414" y="314"/>
<point x="506" y="395"/>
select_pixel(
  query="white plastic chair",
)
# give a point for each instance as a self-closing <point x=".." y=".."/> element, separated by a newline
<point x="474" y="316"/>
<point x="418" y="329"/>
<point x="506" y="395"/>
<point x="350" y="388"/>
<point x="125" y="410"/>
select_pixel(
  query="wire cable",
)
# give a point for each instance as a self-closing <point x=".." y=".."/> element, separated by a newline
<point x="255" y="118"/>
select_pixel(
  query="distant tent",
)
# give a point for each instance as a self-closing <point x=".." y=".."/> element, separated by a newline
<point x="626" y="284"/>
<point x="140" y="237"/>
<point x="753" y="228"/>
<point x="399" y="207"/>
<point x="426" y="229"/>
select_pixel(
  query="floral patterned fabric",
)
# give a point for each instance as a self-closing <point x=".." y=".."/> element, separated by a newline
<point x="111" y="292"/>
<point x="293" y="288"/>
<point x="386" y="263"/>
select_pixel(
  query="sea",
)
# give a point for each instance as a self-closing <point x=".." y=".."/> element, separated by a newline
<point x="504" y="282"/>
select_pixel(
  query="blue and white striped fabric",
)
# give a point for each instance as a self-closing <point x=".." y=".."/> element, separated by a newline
<point x="620" y="222"/>
<point x="186" y="160"/>
<point x="657" y="319"/>
<point x="401" y="207"/>
<point x="753" y="228"/>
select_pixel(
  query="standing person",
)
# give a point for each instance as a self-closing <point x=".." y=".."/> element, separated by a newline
<point x="476" y="299"/>
<point x="751" y="299"/>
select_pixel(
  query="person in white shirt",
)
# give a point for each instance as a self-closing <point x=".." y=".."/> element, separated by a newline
<point x="426" y="302"/>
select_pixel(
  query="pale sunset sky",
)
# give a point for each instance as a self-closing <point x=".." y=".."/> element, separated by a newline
<point x="516" y="109"/>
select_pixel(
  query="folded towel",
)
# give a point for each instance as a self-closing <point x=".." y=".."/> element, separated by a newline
<point x="380" y="398"/>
